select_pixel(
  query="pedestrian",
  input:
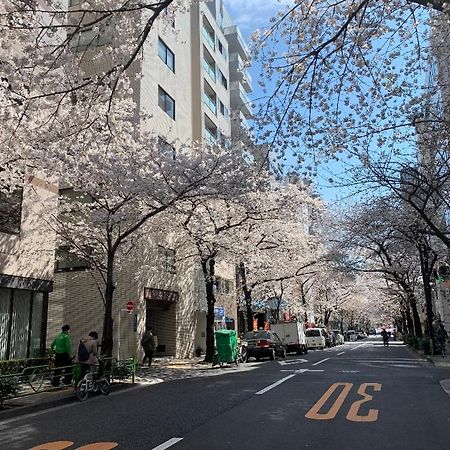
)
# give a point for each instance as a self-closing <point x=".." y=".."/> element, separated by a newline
<point x="148" y="343"/>
<point x="87" y="353"/>
<point x="62" y="348"/>
<point x="385" y="336"/>
<point x="442" y="336"/>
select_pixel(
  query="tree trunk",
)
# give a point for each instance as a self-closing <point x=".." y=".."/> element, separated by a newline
<point x="108" y="323"/>
<point x="426" y="277"/>
<point x="208" y="267"/>
<point x="414" y="312"/>
<point x="247" y="296"/>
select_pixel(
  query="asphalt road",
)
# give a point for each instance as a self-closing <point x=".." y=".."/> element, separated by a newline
<point x="357" y="396"/>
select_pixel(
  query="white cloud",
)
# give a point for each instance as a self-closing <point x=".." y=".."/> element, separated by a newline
<point x="252" y="14"/>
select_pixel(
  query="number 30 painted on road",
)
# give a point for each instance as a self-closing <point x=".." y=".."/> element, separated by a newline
<point x="353" y="413"/>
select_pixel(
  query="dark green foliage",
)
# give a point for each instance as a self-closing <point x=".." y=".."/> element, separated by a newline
<point x="9" y="388"/>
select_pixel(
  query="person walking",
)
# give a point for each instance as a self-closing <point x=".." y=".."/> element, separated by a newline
<point x="385" y="336"/>
<point x="87" y="353"/>
<point x="148" y="343"/>
<point x="62" y="348"/>
<point x="442" y="337"/>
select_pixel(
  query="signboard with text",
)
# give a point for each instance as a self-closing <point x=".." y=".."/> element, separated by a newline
<point x="160" y="295"/>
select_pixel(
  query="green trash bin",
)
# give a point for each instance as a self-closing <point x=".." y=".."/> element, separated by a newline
<point x="226" y="346"/>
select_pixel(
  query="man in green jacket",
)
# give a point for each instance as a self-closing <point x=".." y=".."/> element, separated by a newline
<point x="63" y="356"/>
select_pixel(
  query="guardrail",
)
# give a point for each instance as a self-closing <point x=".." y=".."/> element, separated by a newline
<point x="36" y="379"/>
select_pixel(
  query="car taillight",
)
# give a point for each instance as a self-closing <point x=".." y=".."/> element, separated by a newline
<point x="262" y="344"/>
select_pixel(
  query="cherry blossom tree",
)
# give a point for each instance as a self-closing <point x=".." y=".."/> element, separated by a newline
<point x="349" y="77"/>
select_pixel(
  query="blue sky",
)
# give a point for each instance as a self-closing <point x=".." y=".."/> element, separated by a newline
<point x="256" y="14"/>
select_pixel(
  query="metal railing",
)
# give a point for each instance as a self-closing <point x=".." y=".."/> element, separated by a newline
<point x="41" y="378"/>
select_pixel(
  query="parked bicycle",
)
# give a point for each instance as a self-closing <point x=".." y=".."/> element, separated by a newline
<point x="441" y="347"/>
<point x="93" y="381"/>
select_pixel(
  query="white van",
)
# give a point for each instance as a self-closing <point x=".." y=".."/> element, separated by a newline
<point x="292" y="335"/>
<point x="315" y="338"/>
<point x="352" y="337"/>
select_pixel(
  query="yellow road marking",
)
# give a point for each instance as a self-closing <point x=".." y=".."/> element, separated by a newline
<point x="59" y="445"/>
<point x="99" y="446"/>
<point x="314" y="413"/>
<point x="372" y="415"/>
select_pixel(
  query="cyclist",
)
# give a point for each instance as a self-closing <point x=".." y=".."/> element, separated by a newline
<point x="385" y="336"/>
<point x="442" y="337"/>
<point x="87" y="353"/>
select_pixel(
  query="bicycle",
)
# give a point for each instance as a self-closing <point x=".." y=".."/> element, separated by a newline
<point x="440" y="346"/>
<point x="92" y="382"/>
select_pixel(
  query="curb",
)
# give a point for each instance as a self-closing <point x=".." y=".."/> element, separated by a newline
<point x="67" y="397"/>
<point x="430" y="358"/>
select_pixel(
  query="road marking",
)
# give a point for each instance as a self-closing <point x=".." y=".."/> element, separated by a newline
<point x="268" y="388"/>
<point x="340" y="353"/>
<point x="314" y="413"/>
<point x="359" y="346"/>
<point x="62" y="445"/>
<point x="292" y="361"/>
<point x="99" y="446"/>
<point x="308" y="370"/>
<point x="349" y="371"/>
<point x="445" y="384"/>
<point x="59" y="445"/>
<point x="167" y="444"/>
<point x="372" y="415"/>
<point x="320" y="362"/>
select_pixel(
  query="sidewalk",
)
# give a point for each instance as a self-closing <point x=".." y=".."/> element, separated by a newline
<point x="437" y="360"/>
<point x="162" y="369"/>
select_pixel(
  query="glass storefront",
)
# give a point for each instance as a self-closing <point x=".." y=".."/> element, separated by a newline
<point x="22" y="334"/>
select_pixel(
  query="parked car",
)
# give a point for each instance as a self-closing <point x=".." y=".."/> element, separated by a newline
<point x="264" y="344"/>
<point x="350" y="335"/>
<point x="329" y="338"/>
<point x="360" y="335"/>
<point x="292" y="335"/>
<point x="339" y="339"/>
<point x="315" y="338"/>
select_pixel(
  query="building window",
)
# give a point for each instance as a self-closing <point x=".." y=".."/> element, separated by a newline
<point x="166" y="55"/>
<point x="223" y="80"/>
<point x="166" y="257"/>
<point x="166" y="147"/>
<point x="221" y="48"/>
<point x="223" y="110"/>
<point x="67" y="261"/>
<point x="166" y="102"/>
<point x="11" y="211"/>
<point x="222" y="286"/>
<point x="22" y="315"/>
<point x="210" y="131"/>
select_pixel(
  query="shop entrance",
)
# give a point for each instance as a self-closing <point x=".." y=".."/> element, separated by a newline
<point x="161" y="306"/>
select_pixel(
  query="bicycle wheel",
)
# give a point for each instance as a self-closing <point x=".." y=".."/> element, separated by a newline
<point x="104" y="387"/>
<point x="82" y="390"/>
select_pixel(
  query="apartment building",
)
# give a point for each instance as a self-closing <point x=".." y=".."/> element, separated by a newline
<point x="27" y="249"/>
<point x="184" y="87"/>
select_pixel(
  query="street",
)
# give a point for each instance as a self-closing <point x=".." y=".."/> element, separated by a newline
<point x="357" y="396"/>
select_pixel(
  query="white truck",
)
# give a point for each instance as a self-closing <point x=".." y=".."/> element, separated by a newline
<point x="292" y="334"/>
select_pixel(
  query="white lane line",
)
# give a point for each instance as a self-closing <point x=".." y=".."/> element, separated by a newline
<point x="359" y="346"/>
<point x="268" y="388"/>
<point x="320" y="362"/>
<point x="167" y="444"/>
<point x="340" y="353"/>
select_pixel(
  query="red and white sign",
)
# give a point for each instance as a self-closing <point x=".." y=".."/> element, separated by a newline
<point x="130" y="306"/>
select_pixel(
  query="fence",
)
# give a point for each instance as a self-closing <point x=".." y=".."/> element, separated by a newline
<point x="34" y="379"/>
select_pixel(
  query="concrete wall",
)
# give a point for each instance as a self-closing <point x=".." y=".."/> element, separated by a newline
<point x="30" y="253"/>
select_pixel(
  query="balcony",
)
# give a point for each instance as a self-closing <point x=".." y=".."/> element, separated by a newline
<point x="210" y="103"/>
<point x="240" y="100"/>
<point x="238" y="72"/>
<point x="209" y="69"/>
<point x="236" y="43"/>
<point x="210" y="136"/>
<point x="209" y="38"/>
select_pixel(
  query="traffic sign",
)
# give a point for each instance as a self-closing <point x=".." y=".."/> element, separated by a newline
<point x="130" y="306"/>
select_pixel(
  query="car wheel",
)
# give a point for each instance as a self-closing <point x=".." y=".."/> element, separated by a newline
<point x="272" y="355"/>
